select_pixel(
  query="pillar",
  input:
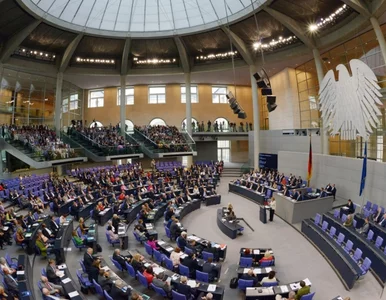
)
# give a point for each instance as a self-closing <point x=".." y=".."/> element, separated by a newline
<point x="323" y="133"/>
<point x="256" y="119"/>
<point x="58" y="102"/>
<point x="188" y="113"/>
<point x="123" y="105"/>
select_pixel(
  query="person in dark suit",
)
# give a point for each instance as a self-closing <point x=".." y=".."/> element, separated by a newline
<point x="53" y="225"/>
<point x="181" y="240"/>
<point x="211" y="269"/>
<point x="30" y="220"/>
<point x="51" y="271"/>
<point x="115" y="222"/>
<point x="118" y="292"/>
<point x="137" y="264"/>
<point x="88" y="259"/>
<point x="250" y="276"/>
<point x="121" y="259"/>
<point x="169" y="214"/>
<point x="11" y="283"/>
<point x="322" y="193"/>
<point x="383" y="221"/>
<point x="350" y="207"/>
<point x="185" y="289"/>
<point x="295" y="195"/>
<point x="333" y="191"/>
<point x="191" y="262"/>
<point x="175" y="230"/>
<point x="377" y="216"/>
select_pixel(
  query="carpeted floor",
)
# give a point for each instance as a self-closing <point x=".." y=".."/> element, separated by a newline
<point x="296" y="258"/>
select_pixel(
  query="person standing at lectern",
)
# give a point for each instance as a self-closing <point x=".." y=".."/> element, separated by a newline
<point x="272" y="209"/>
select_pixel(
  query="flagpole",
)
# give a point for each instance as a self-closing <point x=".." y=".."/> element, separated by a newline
<point x="29" y="105"/>
<point x="13" y="105"/>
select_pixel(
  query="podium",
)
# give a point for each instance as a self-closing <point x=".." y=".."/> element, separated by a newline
<point x="263" y="214"/>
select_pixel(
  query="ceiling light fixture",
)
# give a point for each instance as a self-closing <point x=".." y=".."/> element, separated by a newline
<point x="154" y="61"/>
<point x="34" y="54"/>
<point x="313" y="27"/>
<point x="273" y="44"/>
<point x="95" y="61"/>
<point x="330" y="19"/>
<point x="218" y="56"/>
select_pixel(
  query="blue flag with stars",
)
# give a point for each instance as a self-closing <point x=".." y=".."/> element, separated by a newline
<point x="364" y="171"/>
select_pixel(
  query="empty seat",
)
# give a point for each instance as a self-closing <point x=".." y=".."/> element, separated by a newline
<point x="324" y="226"/>
<point x="332" y="231"/>
<point x="340" y="239"/>
<point x="318" y="217"/>
<point x="357" y="255"/>
<point x="378" y="242"/>
<point x="370" y="235"/>
<point x="348" y="246"/>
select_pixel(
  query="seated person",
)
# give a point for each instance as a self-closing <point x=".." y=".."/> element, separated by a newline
<point x="19" y="237"/>
<point x="52" y="272"/>
<point x="211" y="268"/>
<point x="105" y="281"/>
<point x="250" y="276"/>
<point x="191" y="262"/>
<point x="47" y="294"/>
<point x="181" y="240"/>
<point x="100" y="206"/>
<point x="121" y="259"/>
<point x="185" y="289"/>
<point x="113" y="236"/>
<point x="322" y="193"/>
<point x="149" y="274"/>
<point x="267" y="257"/>
<point x="348" y="222"/>
<point x="291" y="296"/>
<point x="377" y="216"/>
<point x="350" y="207"/>
<point x="4" y="265"/>
<point x="382" y="223"/>
<point x="83" y="228"/>
<point x="52" y="287"/>
<point x="137" y="263"/>
<point x="79" y="241"/>
<point x="175" y="229"/>
<point x="152" y="243"/>
<point x="202" y="296"/>
<point x="365" y="228"/>
<point x="175" y="256"/>
<point x="141" y="234"/>
<point x="270" y="278"/>
<point x="159" y="281"/>
<point x="304" y="290"/>
<point x="119" y="292"/>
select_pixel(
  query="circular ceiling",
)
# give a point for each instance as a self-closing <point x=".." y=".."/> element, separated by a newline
<point x="140" y="18"/>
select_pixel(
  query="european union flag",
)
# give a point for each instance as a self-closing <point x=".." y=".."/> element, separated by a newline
<point x="364" y="171"/>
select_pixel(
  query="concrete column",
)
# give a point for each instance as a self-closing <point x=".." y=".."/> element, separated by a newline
<point x="256" y="119"/>
<point x="380" y="37"/>
<point x="188" y="104"/>
<point x="58" y="102"/>
<point x="123" y="105"/>
<point x="320" y="73"/>
<point x="188" y="113"/>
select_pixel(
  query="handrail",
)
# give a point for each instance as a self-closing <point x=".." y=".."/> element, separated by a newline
<point x="139" y="132"/>
<point x="179" y="144"/>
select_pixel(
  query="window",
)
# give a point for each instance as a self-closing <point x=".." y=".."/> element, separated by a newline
<point x="157" y="94"/>
<point x="312" y="100"/>
<point x="194" y="128"/>
<point x="223" y="124"/>
<point x="65" y="105"/>
<point x="193" y="94"/>
<point x="157" y="121"/>
<point x="223" y="150"/>
<point x="219" y="94"/>
<point x="74" y="102"/>
<point x="96" y="124"/>
<point x="129" y="96"/>
<point x="96" y="98"/>
<point x="129" y="126"/>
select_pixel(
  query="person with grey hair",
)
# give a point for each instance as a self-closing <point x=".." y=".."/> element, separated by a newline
<point x="4" y="265"/>
<point x="181" y="240"/>
<point x="291" y="296"/>
<point x="185" y="289"/>
<point x="51" y="287"/>
<point x="208" y="296"/>
<point x="159" y="281"/>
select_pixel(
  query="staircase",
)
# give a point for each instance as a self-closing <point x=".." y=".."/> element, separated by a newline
<point x="151" y="150"/>
<point x="231" y="172"/>
<point x="36" y="161"/>
<point x="96" y="153"/>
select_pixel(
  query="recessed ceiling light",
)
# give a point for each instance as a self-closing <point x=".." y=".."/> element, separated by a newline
<point x="313" y="27"/>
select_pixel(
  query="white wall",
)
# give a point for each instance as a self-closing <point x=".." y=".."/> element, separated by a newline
<point x="343" y="171"/>
<point x="286" y="115"/>
<point x="273" y="141"/>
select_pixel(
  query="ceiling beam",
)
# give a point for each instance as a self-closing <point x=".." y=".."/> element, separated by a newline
<point x="292" y="25"/>
<point x="184" y="58"/>
<point x="240" y="46"/>
<point x="11" y="45"/>
<point x="377" y="8"/>
<point x="359" y="6"/>
<point x="69" y="52"/>
<point x="125" y="56"/>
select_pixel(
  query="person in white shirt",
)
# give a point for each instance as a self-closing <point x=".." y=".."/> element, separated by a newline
<point x="4" y="265"/>
<point x="291" y="296"/>
<point x="272" y="205"/>
<point x="175" y="256"/>
<point x="270" y="278"/>
<point x="46" y="293"/>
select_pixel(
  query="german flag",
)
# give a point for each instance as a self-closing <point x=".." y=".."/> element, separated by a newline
<point x="309" y="175"/>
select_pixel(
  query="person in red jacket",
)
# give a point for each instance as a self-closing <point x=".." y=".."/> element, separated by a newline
<point x="149" y="274"/>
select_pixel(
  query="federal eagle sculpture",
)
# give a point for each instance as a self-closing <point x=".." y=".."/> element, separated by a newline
<point x="349" y="105"/>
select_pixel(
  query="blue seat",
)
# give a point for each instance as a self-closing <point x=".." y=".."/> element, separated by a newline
<point x="184" y="270"/>
<point x="168" y="263"/>
<point x="268" y="284"/>
<point x="245" y="262"/>
<point x="365" y="266"/>
<point x="107" y="296"/>
<point x="158" y="290"/>
<point x="98" y="288"/>
<point x="332" y="231"/>
<point x="318" y="217"/>
<point x="82" y="265"/>
<point x="354" y="223"/>
<point x="370" y="235"/>
<point x="83" y="280"/>
<point x="202" y="276"/>
<point x="142" y="279"/>
<point x="112" y="242"/>
<point x="44" y="273"/>
<point x="308" y="296"/>
<point x="188" y="250"/>
<point x="336" y="213"/>
<point x="348" y="246"/>
<point x="357" y="255"/>
<point x="116" y="264"/>
<point x="168" y="234"/>
<point x="344" y="218"/>
<point x="80" y="247"/>
<point x="158" y="256"/>
<point x="324" y="226"/>
<point x="12" y="262"/>
<point x="378" y="242"/>
<point x="243" y="284"/>
<point x="149" y="249"/>
<point x="206" y="255"/>
<point x="40" y="285"/>
<point x="267" y="263"/>
<point x="130" y="270"/>
<point x="340" y="239"/>
<point x="178" y="296"/>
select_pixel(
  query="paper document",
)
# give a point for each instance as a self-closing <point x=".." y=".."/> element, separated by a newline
<point x="284" y="289"/>
<point x="256" y="251"/>
<point x="66" y="280"/>
<point x="211" y="287"/>
<point x="20" y="273"/>
<point x="268" y="269"/>
<point x="183" y="255"/>
<point x="245" y="271"/>
<point x="158" y="270"/>
<point x="60" y="273"/>
<point x="62" y="267"/>
<point x="257" y="271"/>
<point x="28" y="234"/>
<point x="73" y="294"/>
<point x="192" y="283"/>
<point x="161" y="242"/>
<point x="170" y="249"/>
<point x="307" y="282"/>
<point x="295" y="286"/>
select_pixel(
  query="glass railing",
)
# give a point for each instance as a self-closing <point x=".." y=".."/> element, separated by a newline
<point x="104" y="149"/>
